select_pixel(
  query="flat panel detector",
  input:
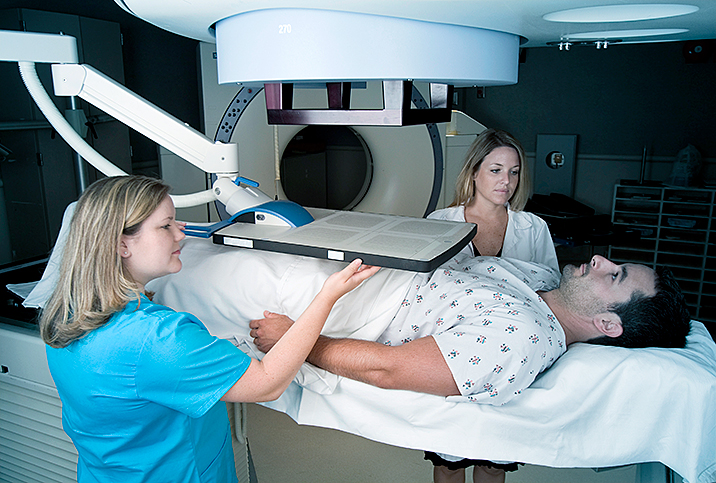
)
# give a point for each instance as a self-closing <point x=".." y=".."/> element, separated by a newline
<point x="389" y="241"/>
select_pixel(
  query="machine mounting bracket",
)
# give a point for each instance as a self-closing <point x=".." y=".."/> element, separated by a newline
<point x="397" y="111"/>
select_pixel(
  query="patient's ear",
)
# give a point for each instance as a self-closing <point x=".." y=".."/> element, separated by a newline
<point x="609" y="324"/>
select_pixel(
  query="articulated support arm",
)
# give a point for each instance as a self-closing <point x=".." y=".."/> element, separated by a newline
<point x="127" y="107"/>
<point x="72" y="79"/>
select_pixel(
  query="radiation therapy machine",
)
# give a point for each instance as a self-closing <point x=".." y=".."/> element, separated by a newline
<point x="596" y="407"/>
<point x="275" y="225"/>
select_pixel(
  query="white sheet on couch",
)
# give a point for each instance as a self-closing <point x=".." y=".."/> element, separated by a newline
<point x="596" y="407"/>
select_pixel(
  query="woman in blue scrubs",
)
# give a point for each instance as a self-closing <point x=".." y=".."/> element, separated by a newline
<point x="139" y="382"/>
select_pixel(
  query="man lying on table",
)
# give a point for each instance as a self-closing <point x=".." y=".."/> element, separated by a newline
<point x="483" y="328"/>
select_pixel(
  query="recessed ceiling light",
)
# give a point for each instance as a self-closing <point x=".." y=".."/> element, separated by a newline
<point x="623" y="34"/>
<point x="620" y="13"/>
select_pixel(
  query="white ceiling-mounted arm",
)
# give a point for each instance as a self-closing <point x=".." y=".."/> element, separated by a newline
<point x="27" y="48"/>
<point x="127" y="107"/>
<point x="40" y="48"/>
<point x="72" y="79"/>
<point x="116" y="100"/>
<point x="60" y="124"/>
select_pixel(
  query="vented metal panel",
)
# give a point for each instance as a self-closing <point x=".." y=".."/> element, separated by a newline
<point x="33" y="446"/>
<point x="242" y="456"/>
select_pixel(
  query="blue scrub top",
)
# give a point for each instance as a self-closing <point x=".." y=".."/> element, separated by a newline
<point x="139" y="398"/>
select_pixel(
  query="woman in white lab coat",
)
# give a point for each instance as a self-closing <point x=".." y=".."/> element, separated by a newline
<point x="491" y="190"/>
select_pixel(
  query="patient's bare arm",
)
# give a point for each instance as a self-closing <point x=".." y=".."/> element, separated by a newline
<point x="415" y="366"/>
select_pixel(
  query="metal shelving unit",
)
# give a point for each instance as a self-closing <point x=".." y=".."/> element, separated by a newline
<point x="677" y="231"/>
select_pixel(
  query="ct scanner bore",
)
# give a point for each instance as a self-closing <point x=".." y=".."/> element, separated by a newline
<point x="407" y="162"/>
<point x="326" y="167"/>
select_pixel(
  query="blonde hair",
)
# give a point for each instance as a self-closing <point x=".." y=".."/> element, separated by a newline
<point x="485" y="143"/>
<point x="93" y="283"/>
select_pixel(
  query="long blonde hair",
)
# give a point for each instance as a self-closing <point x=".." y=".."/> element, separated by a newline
<point x="93" y="284"/>
<point x="485" y="143"/>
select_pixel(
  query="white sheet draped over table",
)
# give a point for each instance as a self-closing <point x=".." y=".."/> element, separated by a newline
<point x="596" y="407"/>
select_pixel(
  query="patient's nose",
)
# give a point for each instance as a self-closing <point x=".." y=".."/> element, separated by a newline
<point x="601" y="263"/>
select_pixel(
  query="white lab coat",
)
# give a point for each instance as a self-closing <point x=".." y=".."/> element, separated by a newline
<point x="527" y="236"/>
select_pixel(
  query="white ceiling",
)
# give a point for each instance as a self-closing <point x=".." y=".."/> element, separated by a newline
<point x="194" y="18"/>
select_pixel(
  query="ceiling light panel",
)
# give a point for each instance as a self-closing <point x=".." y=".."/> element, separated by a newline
<point x="623" y="34"/>
<point x="620" y="13"/>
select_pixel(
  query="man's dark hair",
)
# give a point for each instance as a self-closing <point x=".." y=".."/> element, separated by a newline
<point x="658" y="321"/>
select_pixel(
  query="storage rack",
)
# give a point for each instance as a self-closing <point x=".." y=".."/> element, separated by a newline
<point x="676" y="230"/>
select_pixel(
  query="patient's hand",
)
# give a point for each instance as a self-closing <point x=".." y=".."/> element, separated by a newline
<point x="267" y="331"/>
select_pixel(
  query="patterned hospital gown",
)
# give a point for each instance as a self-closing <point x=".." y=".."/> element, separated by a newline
<point x="494" y="331"/>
